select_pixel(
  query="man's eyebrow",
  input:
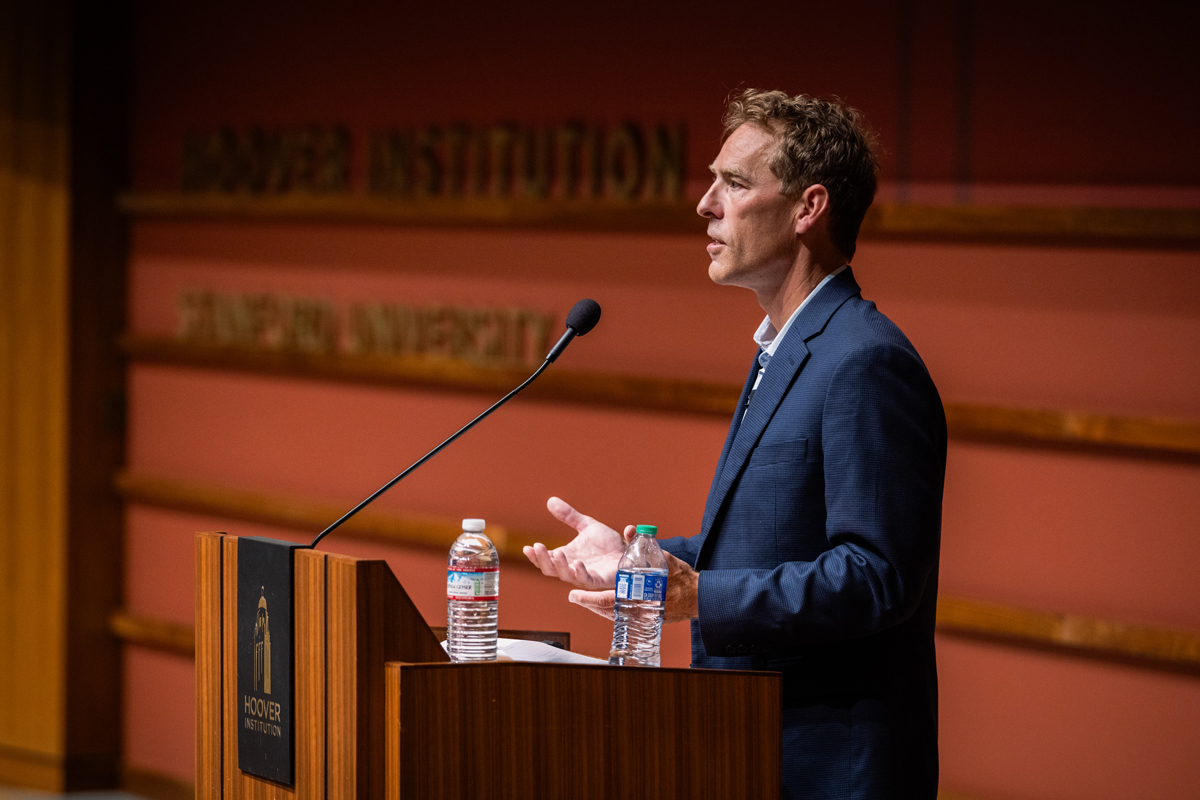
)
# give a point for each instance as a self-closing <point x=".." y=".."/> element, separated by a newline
<point x="728" y="173"/>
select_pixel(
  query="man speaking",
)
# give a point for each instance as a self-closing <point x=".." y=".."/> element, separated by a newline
<point x="818" y="552"/>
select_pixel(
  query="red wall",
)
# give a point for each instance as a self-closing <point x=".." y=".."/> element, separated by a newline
<point x="1103" y="330"/>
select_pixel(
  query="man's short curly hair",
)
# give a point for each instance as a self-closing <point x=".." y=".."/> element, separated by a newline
<point x="818" y="141"/>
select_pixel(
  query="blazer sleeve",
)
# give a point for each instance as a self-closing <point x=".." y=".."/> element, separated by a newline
<point x="685" y="548"/>
<point x="883" y="440"/>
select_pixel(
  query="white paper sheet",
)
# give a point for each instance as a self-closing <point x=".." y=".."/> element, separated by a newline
<point x="538" y="652"/>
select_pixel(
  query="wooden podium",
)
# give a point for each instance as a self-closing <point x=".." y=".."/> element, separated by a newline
<point x="380" y="712"/>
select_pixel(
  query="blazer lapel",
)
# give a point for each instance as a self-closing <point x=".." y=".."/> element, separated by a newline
<point x="736" y="422"/>
<point x="780" y="375"/>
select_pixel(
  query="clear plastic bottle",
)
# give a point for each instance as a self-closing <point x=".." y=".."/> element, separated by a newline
<point x="472" y="595"/>
<point x="641" y="601"/>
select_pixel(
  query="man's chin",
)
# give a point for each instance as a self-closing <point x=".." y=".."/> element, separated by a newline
<point x="721" y="275"/>
<point x="716" y="273"/>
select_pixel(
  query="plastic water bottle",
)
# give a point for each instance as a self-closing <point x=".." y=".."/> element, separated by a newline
<point x="641" y="601"/>
<point x="472" y="595"/>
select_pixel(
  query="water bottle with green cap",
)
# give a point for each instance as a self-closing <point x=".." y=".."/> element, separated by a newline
<point x="641" y="601"/>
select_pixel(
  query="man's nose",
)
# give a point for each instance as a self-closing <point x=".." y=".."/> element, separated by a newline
<point x="708" y="204"/>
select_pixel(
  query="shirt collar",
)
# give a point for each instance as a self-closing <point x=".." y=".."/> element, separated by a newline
<point x="768" y="339"/>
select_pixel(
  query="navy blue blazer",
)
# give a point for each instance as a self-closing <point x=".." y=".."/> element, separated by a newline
<point x="818" y="553"/>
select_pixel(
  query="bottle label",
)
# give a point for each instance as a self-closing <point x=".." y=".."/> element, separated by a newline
<point x="641" y="586"/>
<point x="473" y="584"/>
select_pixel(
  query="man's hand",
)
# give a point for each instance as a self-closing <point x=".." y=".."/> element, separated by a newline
<point x="590" y="560"/>
<point x="682" y="602"/>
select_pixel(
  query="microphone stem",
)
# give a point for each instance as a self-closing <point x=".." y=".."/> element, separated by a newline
<point x="429" y="455"/>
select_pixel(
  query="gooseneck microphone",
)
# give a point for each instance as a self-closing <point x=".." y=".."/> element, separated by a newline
<point x="581" y="319"/>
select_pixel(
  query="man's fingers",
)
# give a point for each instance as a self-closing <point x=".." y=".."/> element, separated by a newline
<point x="583" y="577"/>
<point x="598" y="602"/>
<point x="563" y="512"/>
<point x="540" y="556"/>
<point x="554" y="564"/>
<point x="562" y="565"/>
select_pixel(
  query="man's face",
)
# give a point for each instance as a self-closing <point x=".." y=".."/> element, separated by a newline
<point x="751" y="222"/>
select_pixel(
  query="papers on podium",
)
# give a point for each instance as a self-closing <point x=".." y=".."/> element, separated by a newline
<point x="538" y="652"/>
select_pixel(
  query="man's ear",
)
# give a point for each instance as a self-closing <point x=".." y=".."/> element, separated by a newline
<point x="812" y="208"/>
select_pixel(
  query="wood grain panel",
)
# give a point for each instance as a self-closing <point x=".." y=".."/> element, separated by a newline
<point x="1021" y="426"/>
<point x="391" y="732"/>
<point x="341" y="588"/>
<point x="231" y="785"/>
<point x="309" y="677"/>
<point x="207" y="648"/>
<point x="1171" y="227"/>
<point x="563" y="731"/>
<point x="34" y="363"/>
<point x="371" y="621"/>
<point x="63" y="151"/>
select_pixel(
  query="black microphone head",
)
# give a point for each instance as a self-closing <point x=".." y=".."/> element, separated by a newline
<point x="583" y="316"/>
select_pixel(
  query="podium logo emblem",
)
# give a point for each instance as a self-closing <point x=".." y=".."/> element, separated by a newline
<point x="262" y="646"/>
<point x="265" y="658"/>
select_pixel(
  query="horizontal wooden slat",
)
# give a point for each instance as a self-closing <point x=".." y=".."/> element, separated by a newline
<point x="1083" y="636"/>
<point x="159" y="634"/>
<point x="1056" y="223"/>
<point x="1112" y="639"/>
<point x="596" y="215"/>
<point x="311" y="517"/>
<point x="1141" y="435"/>
<point x="628" y="391"/>
<point x="1173" y="227"/>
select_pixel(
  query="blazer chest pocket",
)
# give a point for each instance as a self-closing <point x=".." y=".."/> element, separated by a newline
<point x="764" y="455"/>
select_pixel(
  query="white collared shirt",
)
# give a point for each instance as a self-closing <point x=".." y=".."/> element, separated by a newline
<point x="768" y="339"/>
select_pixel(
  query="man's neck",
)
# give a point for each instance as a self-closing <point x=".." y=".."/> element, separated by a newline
<point x="799" y="284"/>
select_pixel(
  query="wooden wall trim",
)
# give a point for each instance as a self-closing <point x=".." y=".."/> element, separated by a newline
<point x="311" y="517"/>
<point x="1141" y="645"/>
<point x="624" y="391"/>
<point x="1164" y="226"/>
<point x="1113" y="640"/>
<point x="1148" y="436"/>
<point x="157" y="634"/>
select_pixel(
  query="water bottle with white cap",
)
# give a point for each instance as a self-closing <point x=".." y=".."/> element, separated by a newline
<point x="472" y="595"/>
